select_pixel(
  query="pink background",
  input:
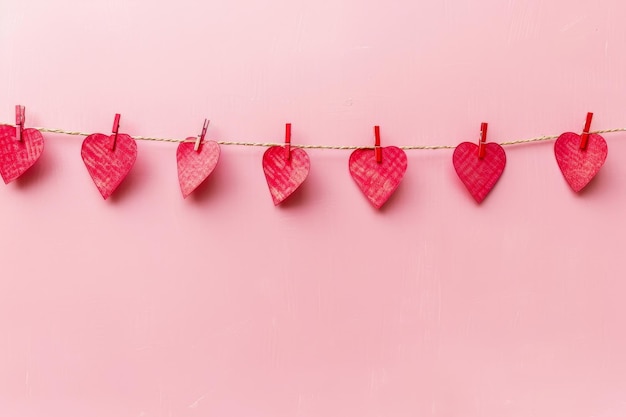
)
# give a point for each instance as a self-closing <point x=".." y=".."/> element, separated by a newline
<point x="224" y="305"/>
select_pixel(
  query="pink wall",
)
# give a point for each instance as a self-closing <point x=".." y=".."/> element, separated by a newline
<point x="224" y="305"/>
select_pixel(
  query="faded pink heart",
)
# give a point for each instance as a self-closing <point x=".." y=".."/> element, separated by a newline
<point x="107" y="167"/>
<point x="284" y="175"/>
<point x="479" y="175"/>
<point x="579" y="166"/>
<point x="16" y="157"/>
<point x="378" y="181"/>
<point x="195" y="166"/>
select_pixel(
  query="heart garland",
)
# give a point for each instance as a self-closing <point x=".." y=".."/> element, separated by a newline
<point x="479" y="166"/>
<point x="109" y="159"/>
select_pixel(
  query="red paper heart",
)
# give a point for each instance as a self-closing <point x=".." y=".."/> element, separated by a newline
<point x="107" y="167"/>
<point x="17" y="156"/>
<point x="579" y="166"/>
<point x="284" y="175"/>
<point x="195" y="166"/>
<point x="378" y="181"/>
<point x="479" y="174"/>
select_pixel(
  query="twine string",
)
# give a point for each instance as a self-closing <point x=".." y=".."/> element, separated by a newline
<point x="339" y="147"/>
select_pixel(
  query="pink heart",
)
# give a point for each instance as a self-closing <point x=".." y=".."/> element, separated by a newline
<point x="17" y="156"/>
<point x="579" y="166"/>
<point x="107" y="167"/>
<point x="284" y="175"/>
<point x="195" y="166"/>
<point x="378" y="181"/>
<point x="479" y="174"/>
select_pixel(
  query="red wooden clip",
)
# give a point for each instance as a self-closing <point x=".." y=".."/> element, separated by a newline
<point x="584" y="138"/>
<point x="20" y="119"/>
<point x="288" y="140"/>
<point x="196" y="147"/>
<point x="378" y="151"/>
<point x="116" y="127"/>
<point x="482" y="140"/>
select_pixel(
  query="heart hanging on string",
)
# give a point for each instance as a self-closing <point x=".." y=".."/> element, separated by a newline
<point x="285" y="170"/>
<point x="479" y="175"/>
<point x="579" y="166"/>
<point x="195" y="166"/>
<point x="17" y="156"/>
<point x="108" y="167"/>
<point x="378" y="180"/>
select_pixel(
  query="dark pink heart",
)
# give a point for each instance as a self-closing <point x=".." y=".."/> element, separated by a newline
<point x="479" y="175"/>
<point x="284" y="175"/>
<point x="378" y="181"/>
<point x="17" y="156"/>
<point x="195" y="166"/>
<point x="579" y="166"/>
<point x="108" y="167"/>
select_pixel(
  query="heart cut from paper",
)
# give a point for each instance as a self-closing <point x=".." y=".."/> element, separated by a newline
<point x="579" y="166"/>
<point x="195" y="166"/>
<point x="108" y="167"/>
<point x="378" y="181"/>
<point x="479" y="175"/>
<point x="284" y="175"/>
<point x="16" y="157"/>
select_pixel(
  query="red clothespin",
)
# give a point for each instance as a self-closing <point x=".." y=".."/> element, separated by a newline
<point x="378" y="151"/>
<point x="584" y="138"/>
<point x="116" y="127"/>
<point x="482" y="141"/>
<point x="288" y="140"/>
<point x="200" y="139"/>
<point x="20" y="119"/>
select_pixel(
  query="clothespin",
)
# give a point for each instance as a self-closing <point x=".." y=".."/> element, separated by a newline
<point x="482" y="140"/>
<point x="288" y="140"/>
<point x="584" y="138"/>
<point x="200" y="138"/>
<point x="378" y="151"/>
<point x="116" y="127"/>
<point x="20" y="119"/>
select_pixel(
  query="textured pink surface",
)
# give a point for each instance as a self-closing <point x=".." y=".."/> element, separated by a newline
<point x="108" y="167"/>
<point x="16" y="157"/>
<point x="378" y="181"/>
<point x="284" y="175"/>
<point x="195" y="166"/>
<point x="479" y="174"/>
<point x="222" y="305"/>
<point x="579" y="166"/>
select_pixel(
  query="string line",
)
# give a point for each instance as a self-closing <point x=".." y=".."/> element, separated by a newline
<point x="340" y="147"/>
